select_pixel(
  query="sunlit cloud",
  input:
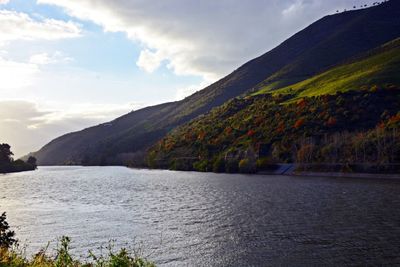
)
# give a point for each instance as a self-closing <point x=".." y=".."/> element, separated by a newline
<point x="46" y="58"/>
<point x="17" y="26"/>
<point x="20" y="26"/>
<point x="149" y="61"/>
<point x="16" y="74"/>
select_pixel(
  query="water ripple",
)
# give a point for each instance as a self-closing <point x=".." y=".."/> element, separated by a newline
<point x="198" y="219"/>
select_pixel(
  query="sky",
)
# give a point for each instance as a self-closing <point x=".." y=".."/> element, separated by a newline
<point x="69" y="64"/>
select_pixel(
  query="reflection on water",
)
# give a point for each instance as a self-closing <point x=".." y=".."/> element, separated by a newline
<point x="204" y="219"/>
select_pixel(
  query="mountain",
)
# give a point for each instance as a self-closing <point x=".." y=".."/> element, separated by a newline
<point x="349" y="113"/>
<point x="326" y="43"/>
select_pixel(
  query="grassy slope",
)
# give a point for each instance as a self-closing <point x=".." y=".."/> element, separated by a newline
<point x="380" y="69"/>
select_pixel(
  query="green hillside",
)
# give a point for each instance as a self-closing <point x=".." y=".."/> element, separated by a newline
<point x="342" y="115"/>
<point x="380" y="67"/>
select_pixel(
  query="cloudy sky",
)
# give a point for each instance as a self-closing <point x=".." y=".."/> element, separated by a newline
<point x="70" y="64"/>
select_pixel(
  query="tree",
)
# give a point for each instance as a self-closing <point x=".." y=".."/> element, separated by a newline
<point x="7" y="163"/>
<point x="32" y="161"/>
<point x="299" y="123"/>
<point x="250" y="133"/>
<point x="5" y="154"/>
<point x="247" y="166"/>
<point x="219" y="165"/>
<point x="6" y="235"/>
<point x="332" y="121"/>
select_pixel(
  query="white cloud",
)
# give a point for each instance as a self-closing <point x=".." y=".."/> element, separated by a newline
<point x="3" y="2"/>
<point x="45" y="58"/>
<point x="208" y="38"/>
<point x="20" y="26"/>
<point x="16" y="74"/>
<point x="149" y="61"/>
<point x="41" y="59"/>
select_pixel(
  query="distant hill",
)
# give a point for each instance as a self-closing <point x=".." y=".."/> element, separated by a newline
<point x="362" y="110"/>
<point x="324" y="44"/>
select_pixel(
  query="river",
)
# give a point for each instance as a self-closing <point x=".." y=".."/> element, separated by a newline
<point x="207" y="219"/>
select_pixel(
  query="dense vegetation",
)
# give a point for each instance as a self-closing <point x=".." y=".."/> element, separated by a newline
<point x="347" y="115"/>
<point x="249" y="133"/>
<point x="8" y="164"/>
<point x="12" y="256"/>
<point x="324" y="44"/>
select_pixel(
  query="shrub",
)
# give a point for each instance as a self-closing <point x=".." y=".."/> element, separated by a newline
<point x="247" y="166"/>
<point x="231" y="165"/>
<point x="250" y="133"/>
<point x="265" y="163"/>
<point x="219" y="165"/>
<point x="181" y="165"/>
<point x="332" y="121"/>
<point x="299" y="123"/>
<point x="201" y="166"/>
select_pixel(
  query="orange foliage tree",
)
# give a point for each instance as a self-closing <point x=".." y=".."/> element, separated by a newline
<point x="300" y="122"/>
<point x="332" y="121"/>
<point x="250" y="133"/>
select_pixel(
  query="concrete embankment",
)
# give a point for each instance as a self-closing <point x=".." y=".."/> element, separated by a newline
<point x="348" y="175"/>
<point x="290" y="169"/>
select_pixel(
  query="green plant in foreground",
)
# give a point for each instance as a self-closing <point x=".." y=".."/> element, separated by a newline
<point x="6" y="235"/>
<point x="12" y="256"/>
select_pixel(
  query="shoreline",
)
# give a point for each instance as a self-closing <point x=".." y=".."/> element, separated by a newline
<point x="283" y="170"/>
<point x="18" y="171"/>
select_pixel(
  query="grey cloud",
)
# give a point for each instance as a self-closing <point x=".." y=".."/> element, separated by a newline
<point x="26" y="127"/>
<point x="15" y="110"/>
<point x="209" y="38"/>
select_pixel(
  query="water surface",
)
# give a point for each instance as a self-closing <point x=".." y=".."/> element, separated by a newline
<point x="205" y="219"/>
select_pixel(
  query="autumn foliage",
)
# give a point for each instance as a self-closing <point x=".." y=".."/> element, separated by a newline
<point x="368" y="120"/>
<point x="332" y="121"/>
<point x="300" y="122"/>
<point x="251" y="133"/>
